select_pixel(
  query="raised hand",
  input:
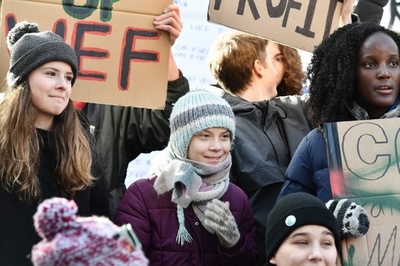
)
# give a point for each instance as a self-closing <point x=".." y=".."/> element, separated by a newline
<point x="170" y="21"/>
<point x="219" y="218"/>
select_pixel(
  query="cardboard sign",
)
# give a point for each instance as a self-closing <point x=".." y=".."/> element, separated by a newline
<point x="301" y="24"/>
<point x="123" y="59"/>
<point x="364" y="165"/>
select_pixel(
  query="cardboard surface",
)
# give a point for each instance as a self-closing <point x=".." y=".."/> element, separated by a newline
<point x="302" y="24"/>
<point x="364" y="161"/>
<point x="123" y="59"/>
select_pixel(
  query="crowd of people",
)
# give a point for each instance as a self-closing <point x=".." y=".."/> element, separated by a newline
<point x="242" y="177"/>
<point x="268" y="128"/>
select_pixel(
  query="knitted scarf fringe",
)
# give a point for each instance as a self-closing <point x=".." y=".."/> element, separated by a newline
<point x="183" y="235"/>
<point x="170" y="169"/>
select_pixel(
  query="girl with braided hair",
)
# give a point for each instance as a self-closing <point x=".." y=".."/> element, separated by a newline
<point x="354" y="75"/>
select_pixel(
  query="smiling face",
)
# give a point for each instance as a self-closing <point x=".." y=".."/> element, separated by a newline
<point x="50" y="86"/>
<point x="378" y="74"/>
<point x="210" y="146"/>
<point x="307" y="245"/>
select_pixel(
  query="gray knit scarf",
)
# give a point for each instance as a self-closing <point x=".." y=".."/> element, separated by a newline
<point x="191" y="182"/>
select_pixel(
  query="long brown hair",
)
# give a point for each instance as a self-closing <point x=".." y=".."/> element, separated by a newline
<point x="19" y="148"/>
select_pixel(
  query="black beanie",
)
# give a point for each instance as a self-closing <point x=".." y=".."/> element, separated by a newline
<point x="294" y="211"/>
<point x="30" y="49"/>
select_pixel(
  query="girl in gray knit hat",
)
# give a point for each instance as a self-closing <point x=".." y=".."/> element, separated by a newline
<point x="189" y="213"/>
<point x="45" y="144"/>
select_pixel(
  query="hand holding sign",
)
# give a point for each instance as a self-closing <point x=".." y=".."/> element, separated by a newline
<point x="118" y="46"/>
<point x="170" y="22"/>
<point x="347" y="9"/>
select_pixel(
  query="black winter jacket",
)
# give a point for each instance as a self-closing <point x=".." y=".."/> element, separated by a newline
<point x="17" y="232"/>
<point x="267" y="135"/>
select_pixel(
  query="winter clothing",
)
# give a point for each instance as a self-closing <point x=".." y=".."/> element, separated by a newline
<point x="179" y="194"/>
<point x="16" y="227"/>
<point x="126" y="132"/>
<point x="219" y="218"/>
<point x="267" y="135"/>
<point x="370" y="10"/>
<point x="68" y="239"/>
<point x="294" y="211"/>
<point x="193" y="181"/>
<point x="153" y="218"/>
<point x="351" y="218"/>
<point x="308" y="170"/>
<point x="197" y="111"/>
<point x="30" y="49"/>
<point x="342" y="217"/>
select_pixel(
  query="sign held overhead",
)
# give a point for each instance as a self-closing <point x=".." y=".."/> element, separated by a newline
<point x="123" y="59"/>
<point x="302" y="24"/>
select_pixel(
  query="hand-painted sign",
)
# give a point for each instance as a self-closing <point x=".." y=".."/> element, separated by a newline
<point x="123" y="59"/>
<point x="302" y="24"/>
<point x="364" y="162"/>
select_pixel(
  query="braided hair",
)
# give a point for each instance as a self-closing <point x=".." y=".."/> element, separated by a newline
<point x="332" y="71"/>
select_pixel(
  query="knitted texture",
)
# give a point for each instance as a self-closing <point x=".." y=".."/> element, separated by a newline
<point x="351" y="218"/>
<point x="30" y="49"/>
<point x="72" y="240"/>
<point x="219" y="218"/>
<point x="195" y="112"/>
<point x="186" y="180"/>
<point x="294" y="211"/>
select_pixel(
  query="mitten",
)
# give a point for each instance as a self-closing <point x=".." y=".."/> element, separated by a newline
<point x="351" y="218"/>
<point x="219" y="218"/>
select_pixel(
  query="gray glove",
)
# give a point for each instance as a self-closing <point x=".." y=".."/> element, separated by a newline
<point x="219" y="218"/>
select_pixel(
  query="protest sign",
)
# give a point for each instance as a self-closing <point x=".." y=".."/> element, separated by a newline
<point x="123" y="59"/>
<point x="301" y="24"/>
<point x="364" y="165"/>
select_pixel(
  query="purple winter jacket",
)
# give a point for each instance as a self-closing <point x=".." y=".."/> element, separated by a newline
<point x="154" y="220"/>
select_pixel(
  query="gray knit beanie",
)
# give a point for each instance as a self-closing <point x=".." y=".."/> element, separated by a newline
<point x="195" y="112"/>
<point x="30" y="49"/>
